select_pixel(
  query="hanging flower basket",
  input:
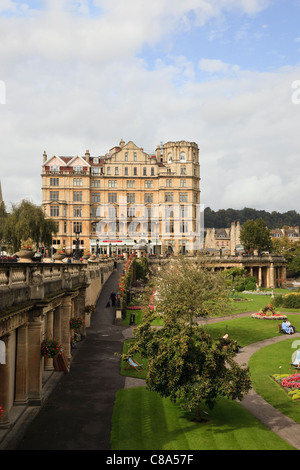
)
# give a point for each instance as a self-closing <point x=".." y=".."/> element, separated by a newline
<point x="89" y="309"/>
<point x="76" y="323"/>
<point x="1" y="412"/>
<point x="50" y="348"/>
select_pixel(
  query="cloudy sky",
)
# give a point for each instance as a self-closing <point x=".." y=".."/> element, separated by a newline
<point x="84" y="74"/>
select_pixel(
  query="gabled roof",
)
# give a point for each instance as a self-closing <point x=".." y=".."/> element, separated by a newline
<point x="84" y="162"/>
<point x="53" y="158"/>
<point x="66" y="161"/>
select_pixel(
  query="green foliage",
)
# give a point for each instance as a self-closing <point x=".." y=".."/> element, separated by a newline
<point x="187" y="288"/>
<point x="183" y="361"/>
<point x="141" y="268"/>
<point x="255" y="236"/>
<point x="291" y="300"/>
<point x="248" y="283"/>
<point x="26" y="220"/>
<point x="224" y="217"/>
<point x="238" y="279"/>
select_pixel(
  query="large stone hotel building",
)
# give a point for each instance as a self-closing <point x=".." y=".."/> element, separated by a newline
<point x="125" y="199"/>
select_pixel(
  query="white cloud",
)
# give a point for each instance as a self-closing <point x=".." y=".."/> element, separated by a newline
<point x="74" y="82"/>
<point x="217" y="66"/>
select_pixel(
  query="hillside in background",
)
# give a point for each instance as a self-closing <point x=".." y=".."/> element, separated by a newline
<point x="224" y="217"/>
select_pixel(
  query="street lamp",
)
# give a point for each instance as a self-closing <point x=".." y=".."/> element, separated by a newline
<point x="77" y="254"/>
<point x="97" y="247"/>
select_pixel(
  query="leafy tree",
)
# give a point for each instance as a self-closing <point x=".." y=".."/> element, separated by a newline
<point x="184" y="362"/>
<point x="255" y="236"/>
<point x="192" y="290"/>
<point x="26" y="220"/>
<point x="238" y="279"/>
<point x="293" y="258"/>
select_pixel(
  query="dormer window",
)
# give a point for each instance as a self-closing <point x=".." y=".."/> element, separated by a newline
<point x="54" y="169"/>
<point x="77" y="169"/>
<point x="96" y="160"/>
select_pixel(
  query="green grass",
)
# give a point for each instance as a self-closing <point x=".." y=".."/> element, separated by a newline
<point x="254" y="303"/>
<point x="128" y="371"/>
<point x="271" y="360"/>
<point x="144" y="421"/>
<point x="248" y="330"/>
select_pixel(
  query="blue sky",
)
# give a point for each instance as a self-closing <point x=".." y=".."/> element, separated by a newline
<point x="85" y="74"/>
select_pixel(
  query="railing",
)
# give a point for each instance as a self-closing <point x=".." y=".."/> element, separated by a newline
<point x="24" y="282"/>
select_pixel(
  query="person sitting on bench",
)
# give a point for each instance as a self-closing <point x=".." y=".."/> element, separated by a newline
<point x="287" y="327"/>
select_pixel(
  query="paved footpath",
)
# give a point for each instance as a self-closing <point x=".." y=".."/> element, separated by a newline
<point x="77" y="414"/>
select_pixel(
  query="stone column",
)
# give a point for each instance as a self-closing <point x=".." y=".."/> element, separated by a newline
<point x="271" y="276"/>
<point x="48" y="365"/>
<point x="66" y="314"/>
<point x="5" y="378"/>
<point x="21" y="386"/>
<point x="57" y="324"/>
<point x="259" y="276"/>
<point x="35" y="361"/>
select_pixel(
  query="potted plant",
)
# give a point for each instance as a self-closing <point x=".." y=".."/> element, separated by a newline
<point x="26" y="251"/>
<point x="76" y="323"/>
<point x="90" y="309"/>
<point x="50" y="348"/>
<point x="60" y="254"/>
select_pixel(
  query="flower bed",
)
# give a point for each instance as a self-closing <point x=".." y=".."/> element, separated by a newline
<point x="290" y="383"/>
<point x="268" y="313"/>
<point x="276" y="316"/>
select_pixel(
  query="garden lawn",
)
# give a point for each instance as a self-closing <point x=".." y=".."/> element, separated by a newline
<point x="271" y="360"/>
<point x="248" y="330"/>
<point x="254" y="303"/>
<point x="142" y="420"/>
<point x="130" y="371"/>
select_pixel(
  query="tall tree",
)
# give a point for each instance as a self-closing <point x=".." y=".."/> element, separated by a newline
<point x="255" y="236"/>
<point x="27" y="220"/>
<point x="184" y="362"/>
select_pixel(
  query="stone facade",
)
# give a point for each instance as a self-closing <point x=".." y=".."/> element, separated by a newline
<point x="226" y="240"/>
<point x="124" y="198"/>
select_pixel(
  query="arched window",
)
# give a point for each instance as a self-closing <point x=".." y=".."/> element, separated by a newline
<point x="169" y="158"/>
<point x="2" y="353"/>
<point x="182" y="157"/>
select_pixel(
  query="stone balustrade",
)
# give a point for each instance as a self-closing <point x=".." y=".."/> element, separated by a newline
<point x="37" y="301"/>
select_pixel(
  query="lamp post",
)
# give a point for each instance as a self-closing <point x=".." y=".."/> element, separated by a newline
<point x="77" y="256"/>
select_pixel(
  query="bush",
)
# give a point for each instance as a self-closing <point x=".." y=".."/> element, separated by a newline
<point x="291" y="301"/>
<point x="141" y="268"/>
<point x="278" y="301"/>
<point x="248" y="283"/>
